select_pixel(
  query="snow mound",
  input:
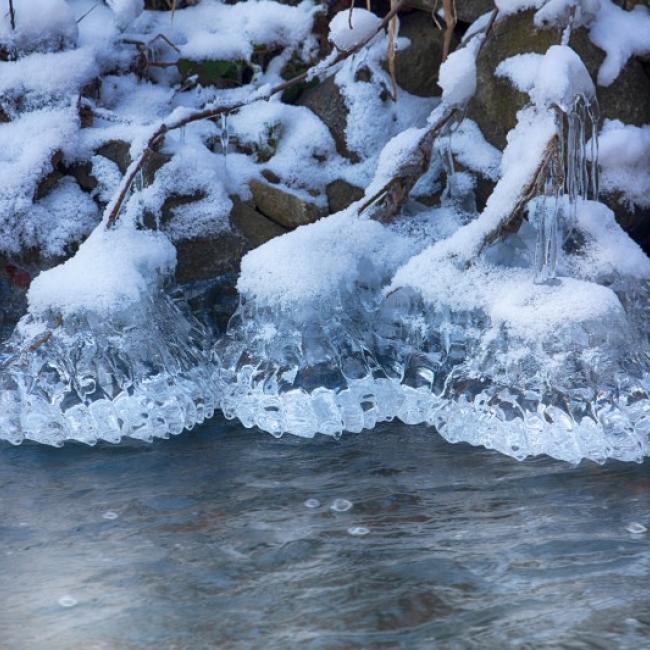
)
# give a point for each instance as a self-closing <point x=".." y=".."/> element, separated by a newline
<point x="111" y="270"/>
<point x="349" y="29"/>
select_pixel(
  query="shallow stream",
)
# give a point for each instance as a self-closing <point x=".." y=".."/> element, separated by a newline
<point x="229" y="538"/>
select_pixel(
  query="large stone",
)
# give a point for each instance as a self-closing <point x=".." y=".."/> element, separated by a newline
<point x="416" y="67"/>
<point x="254" y="226"/>
<point x="496" y="101"/>
<point x="327" y="102"/>
<point x="203" y="258"/>
<point x="283" y="207"/>
<point x="340" y="194"/>
<point x="467" y="11"/>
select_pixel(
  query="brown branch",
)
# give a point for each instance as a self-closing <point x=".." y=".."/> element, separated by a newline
<point x="389" y="200"/>
<point x="450" y="24"/>
<point x="113" y="209"/>
<point x="392" y="43"/>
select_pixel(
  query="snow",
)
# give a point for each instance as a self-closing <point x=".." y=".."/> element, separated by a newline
<point x="521" y="158"/>
<point x="347" y="30"/>
<point x="65" y="216"/>
<point x="126" y="11"/>
<point x="624" y="161"/>
<point x="214" y="30"/>
<point x="521" y="70"/>
<point x="38" y="80"/>
<point x="457" y="75"/>
<point x="472" y="150"/>
<point x="560" y="77"/>
<point x="622" y="35"/>
<point x="111" y="270"/>
<point x="608" y="249"/>
<point x="41" y="25"/>
<point x="317" y="261"/>
<point x="22" y="168"/>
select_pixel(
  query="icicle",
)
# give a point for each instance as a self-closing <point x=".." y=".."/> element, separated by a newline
<point x="224" y="136"/>
<point x="181" y="135"/>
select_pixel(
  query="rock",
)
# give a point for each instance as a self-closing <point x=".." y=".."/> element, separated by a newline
<point x="204" y="258"/>
<point x="118" y="152"/>
<point x="340" y="194"/>
<point x="47" y="183"/>
<point x="222" y="73"/>
<point x="416" y="67"/>
<point x="496" y="101"/>
<point x="282" y="207"/>
<point x="467" y="11"/>
<point x="207" y="257"/>
<point x="254" y="226"/>
<point x="271" y="176"/>
<point x="327" y="102"/>
<point x="82" y="173"/>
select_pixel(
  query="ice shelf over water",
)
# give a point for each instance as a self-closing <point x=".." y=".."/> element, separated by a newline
<point x="104" y="351"/>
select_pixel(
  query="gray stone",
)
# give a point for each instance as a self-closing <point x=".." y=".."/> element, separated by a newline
<point x="340" y="194"/>
<point x="416" y="67"/>
<point x="283" y="207"/>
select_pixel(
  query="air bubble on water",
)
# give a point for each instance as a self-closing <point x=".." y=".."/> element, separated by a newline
<point x="312" y="503"/>
<point x="358" y="531"/>
<point x="341" y="505"/>
<point x="67" y="601"/>
<point x="636" y="528"/>
<point x="110" y="514"/>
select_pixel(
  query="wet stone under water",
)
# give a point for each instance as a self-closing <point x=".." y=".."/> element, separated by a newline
<point x="392" y="538"/>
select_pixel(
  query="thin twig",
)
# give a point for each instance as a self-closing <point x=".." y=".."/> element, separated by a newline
<point x="12" y="15"/>
<point x="392" y="43"/>
<point x="113" y="208"/>
<point x="88" y="12"/>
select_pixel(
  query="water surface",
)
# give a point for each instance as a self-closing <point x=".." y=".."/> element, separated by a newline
<point x="205" y="541"/>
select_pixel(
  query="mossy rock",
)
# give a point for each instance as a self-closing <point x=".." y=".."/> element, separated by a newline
<point x="293" y="68"/>
<point x="496" y="102"/>
<point x="216" y="72"/>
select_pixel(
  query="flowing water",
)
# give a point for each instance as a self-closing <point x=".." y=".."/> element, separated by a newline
<point x="392" y="538"/>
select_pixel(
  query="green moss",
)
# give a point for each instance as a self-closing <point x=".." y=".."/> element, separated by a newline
<point x="215" y="72"/>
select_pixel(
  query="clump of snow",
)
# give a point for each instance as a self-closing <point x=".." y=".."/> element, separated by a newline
<point x="471" y="149"/>
<point x="22" y="167"/>
<point x="126" y="11"/>
<point x="215" y="30"/>
<point x="561" y="76"/>
<point x="40" y="80"/>
<point x="624" y="161"/>
<point x="373" y="117"/>
<point x="314" y="262"/>
<point x="622" y="35"/>
<point x="112" y="269"/>
<point x="347" y="30"/>
<point x="66" y="215"/>
<point x="299" y="148"/>
<point x="521" y="70"/>
<point x="457" y="75"/>
<point x="607" y="247"/>
<point x="41" y="26"/>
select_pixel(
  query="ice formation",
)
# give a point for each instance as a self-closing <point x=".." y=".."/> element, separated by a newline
<point x="104" y="351"/>
<point x="529" y="343"/>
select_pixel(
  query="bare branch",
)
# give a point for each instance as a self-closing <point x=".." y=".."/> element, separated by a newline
<point x="12" y="15"/>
